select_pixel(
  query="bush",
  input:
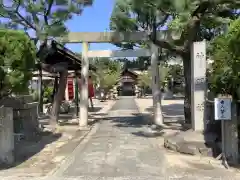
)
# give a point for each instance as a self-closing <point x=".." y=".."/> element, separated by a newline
<point x="225" y="50"/>
<point x="17" y="61"/>
<point x="47" y="94"/>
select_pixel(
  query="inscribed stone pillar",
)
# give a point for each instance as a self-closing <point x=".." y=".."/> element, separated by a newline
<point x="198" y="85"/>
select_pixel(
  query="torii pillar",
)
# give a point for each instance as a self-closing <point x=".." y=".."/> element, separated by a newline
<point x="83" y="114"/>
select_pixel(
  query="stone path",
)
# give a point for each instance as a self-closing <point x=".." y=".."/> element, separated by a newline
<point x="119" y="148"/>
<point x="116" y="149"/>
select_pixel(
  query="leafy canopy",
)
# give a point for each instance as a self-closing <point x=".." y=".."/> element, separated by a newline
<point x="17" y="61"/>
<point x="108" y="71"/>
<point x="190" y="20"/>
<point x="45" y="17"/>
<point x="225" y="76"/>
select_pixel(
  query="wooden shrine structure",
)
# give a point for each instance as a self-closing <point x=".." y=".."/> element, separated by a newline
<point x="58" y="60"/>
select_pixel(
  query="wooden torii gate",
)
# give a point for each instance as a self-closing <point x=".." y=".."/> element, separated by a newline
<point x="115" y="37"/>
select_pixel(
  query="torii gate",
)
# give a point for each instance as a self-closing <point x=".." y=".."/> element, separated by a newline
<point x="198" y="74"/>
<point x="113" y="37"/>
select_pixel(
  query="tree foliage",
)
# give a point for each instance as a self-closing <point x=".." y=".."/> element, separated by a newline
<point x="145" y="79"/>
<point x="45" y="18"/>
<point x="17" y="62"/>
<point x="225" y="77"/>
<point x="108" y="72"/>
<point x="175" y="78"/>
<point x="187" y="21"/>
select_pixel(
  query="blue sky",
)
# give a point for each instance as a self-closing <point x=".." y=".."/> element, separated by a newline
<point x="93" y="19"/>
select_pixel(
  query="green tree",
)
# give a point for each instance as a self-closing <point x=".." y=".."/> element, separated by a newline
<point x="144" y="79"/>
<point x="190" y="20"/>
<point x="163" y="72"/>
<point x="45" y="18"/>
<point x="175" y="78"/>
<point x="224" y="78"/>
<point x="108" y="72"/>
<point x="109" y="79"/>
<point x="17" y="61"/>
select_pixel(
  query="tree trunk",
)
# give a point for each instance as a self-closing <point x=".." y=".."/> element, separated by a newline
<point x="58" y="97"/>
<point x="187" y="91"/>
<point x="40" y="91"/>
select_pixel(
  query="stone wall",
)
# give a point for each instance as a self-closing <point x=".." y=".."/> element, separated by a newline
<point x="6" y="136"/>
<point x="25" y="114"/>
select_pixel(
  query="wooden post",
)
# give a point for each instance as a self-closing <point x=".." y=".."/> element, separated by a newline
<point x="76" y="91"/>
<point x="58" y="97"/>
<point x="40" y="92"/>
<point x="83" y="120"/>
<point x="158" y="118"/>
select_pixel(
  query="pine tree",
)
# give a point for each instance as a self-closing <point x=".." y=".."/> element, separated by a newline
<point x="41" y="19"/>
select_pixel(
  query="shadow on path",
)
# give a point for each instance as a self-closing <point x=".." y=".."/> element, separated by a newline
<point x="25" y="149"/>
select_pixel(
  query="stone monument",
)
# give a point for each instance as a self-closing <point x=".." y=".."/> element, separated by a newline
<point x="198" y="85"/>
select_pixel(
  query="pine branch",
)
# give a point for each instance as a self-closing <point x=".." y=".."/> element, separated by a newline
<point x="48" y="11"/>
<point x="21" y="17"/>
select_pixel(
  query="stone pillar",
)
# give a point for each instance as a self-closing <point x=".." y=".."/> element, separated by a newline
<point x="198" y="85"/>
<point x="231" y="136"/>
<point x="6" y="136"/>
<point x="83" y="121"/>
<point x="158" y="118"/>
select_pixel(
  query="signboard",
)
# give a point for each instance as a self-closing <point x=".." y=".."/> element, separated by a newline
<point x="222" y="108"/>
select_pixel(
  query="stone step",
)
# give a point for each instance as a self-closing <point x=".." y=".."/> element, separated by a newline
<point x="192" y="143"/>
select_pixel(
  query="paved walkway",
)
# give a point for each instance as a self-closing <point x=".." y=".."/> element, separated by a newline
<point x="116" y="149"/>
<point x="119" y="148"/>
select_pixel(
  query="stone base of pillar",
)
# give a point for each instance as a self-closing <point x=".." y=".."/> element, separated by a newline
<point x="84" y="128"/>
<point x="193" y="143"/>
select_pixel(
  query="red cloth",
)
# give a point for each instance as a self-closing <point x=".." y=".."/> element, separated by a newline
<point x="90" y="88"/>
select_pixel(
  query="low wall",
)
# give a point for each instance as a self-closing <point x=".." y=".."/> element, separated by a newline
<point x="6" y="136"/>
<point x="25" y="114"/>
